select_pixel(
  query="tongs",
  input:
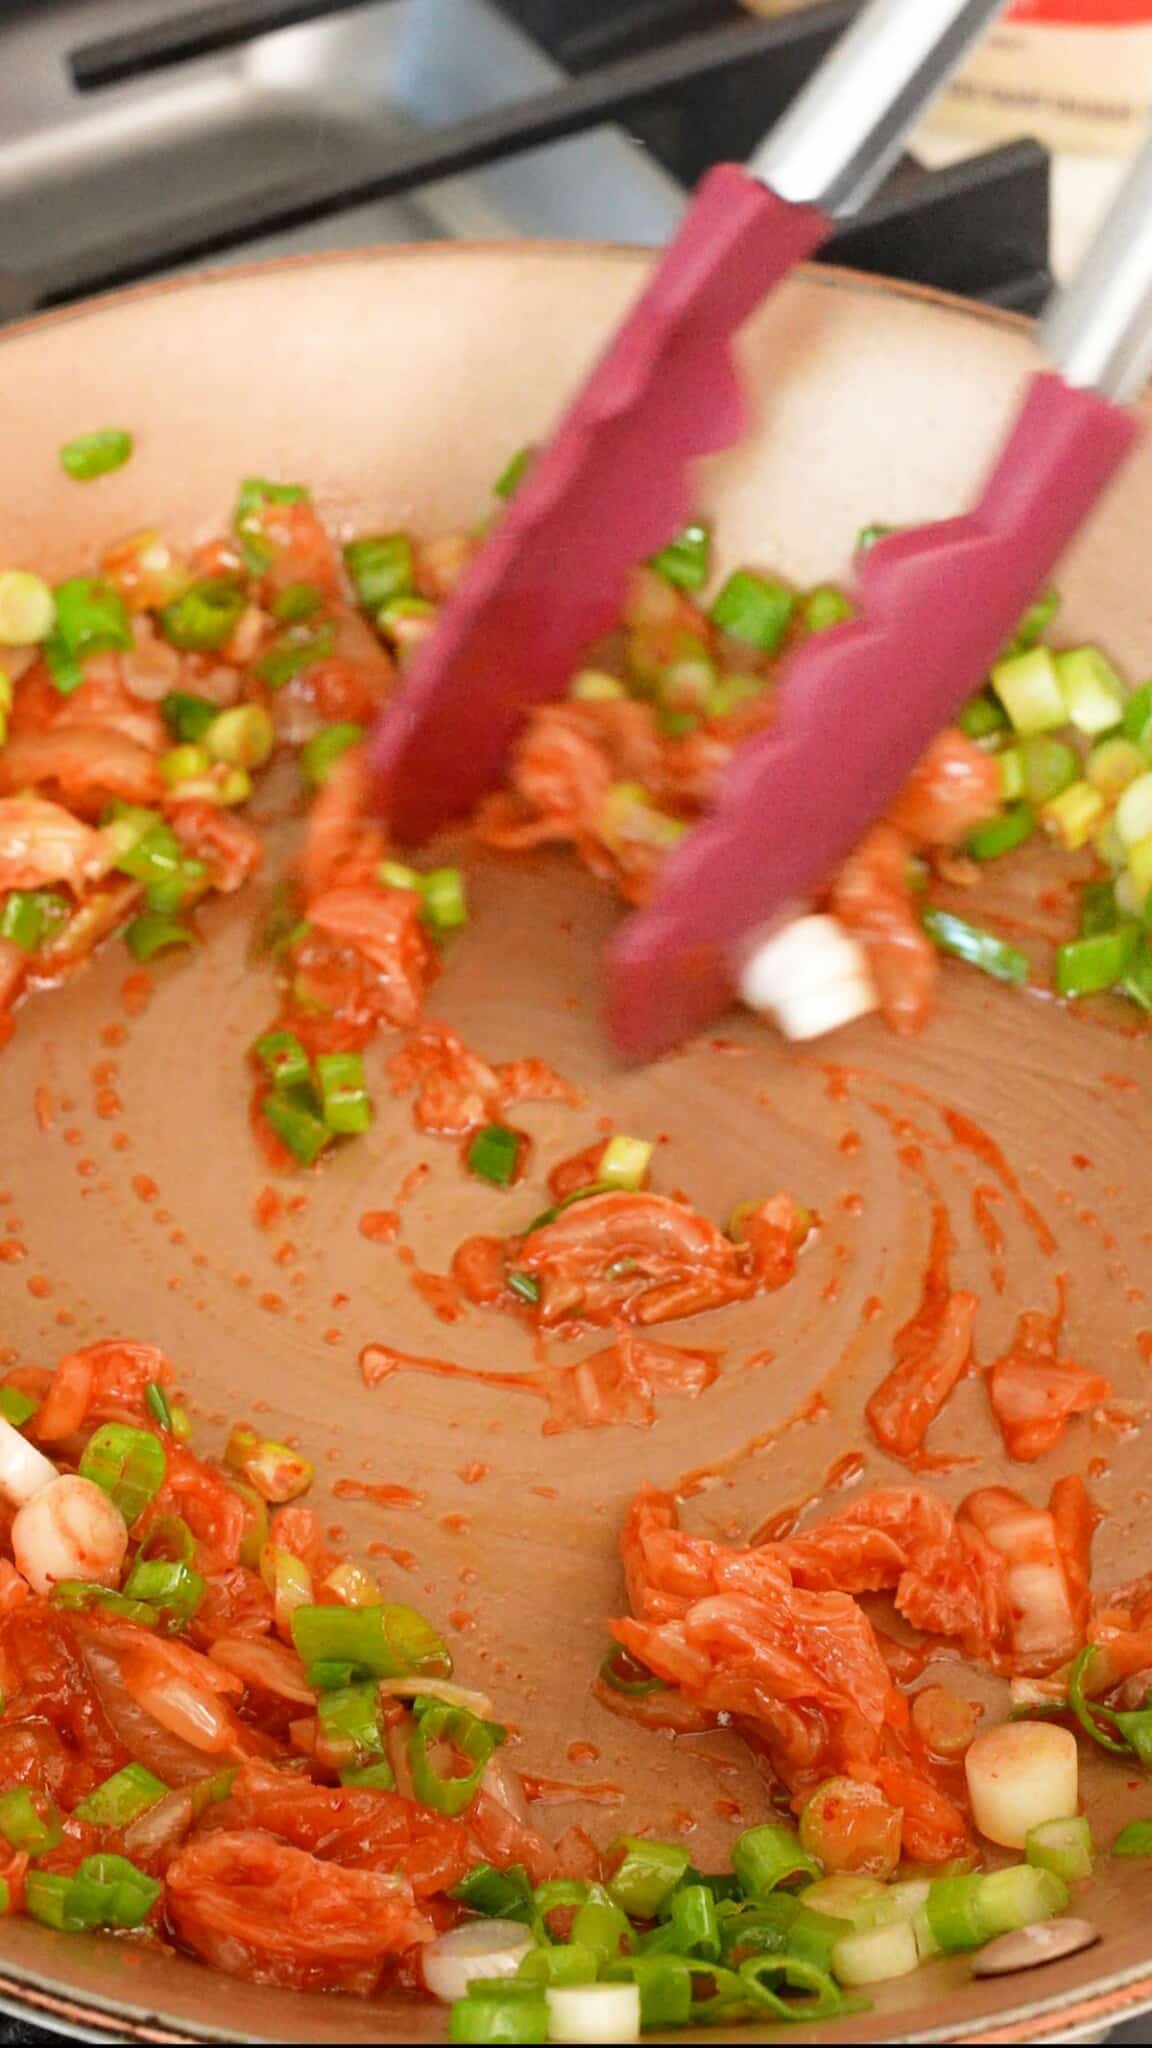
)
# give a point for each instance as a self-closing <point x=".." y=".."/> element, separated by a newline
<point x="614" y="482"/>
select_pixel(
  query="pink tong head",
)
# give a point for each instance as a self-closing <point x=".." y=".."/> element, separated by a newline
<point x="614" y="483"/>
<point x="859" y="703"/>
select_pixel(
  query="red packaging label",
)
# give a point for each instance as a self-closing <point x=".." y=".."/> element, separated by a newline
<point x="1084" y="13"/>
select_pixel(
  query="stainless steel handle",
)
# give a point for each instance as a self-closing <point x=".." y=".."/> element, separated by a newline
<point x="1098" y="330"/>
<point x="840" y="138"/>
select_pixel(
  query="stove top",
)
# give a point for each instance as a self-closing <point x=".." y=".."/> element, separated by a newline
<point x="143" y="136"/>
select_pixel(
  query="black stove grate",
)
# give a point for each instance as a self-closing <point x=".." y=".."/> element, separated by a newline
<point x="696" y="81"/>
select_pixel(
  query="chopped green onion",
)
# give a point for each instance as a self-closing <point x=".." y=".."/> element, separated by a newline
<point x="121" y="1797"/>
<point x="868" y="536"/>
<point x="952" y="1914"/>
<point x="827" y="606"/>
<point x="349" y="1722"/>
<point x="157" y="1401"/>
<point x="764" y="1857"/>
<point x="729" y="692"/>
<point x="1028" y="686"/>
<point x="1073" y="816"/>
<point x="27" y="609"/>
<point x="169" y="1537"/>
<point x="754" y="609"/>
<point x="345" y="1101"/>
<point x="1001" y="835"/>
<point x="566" y="1962"/>
<point x="690" y="1926"/>
<point x="187" y="717"/>
<point x="1035" y="623"/>
<point x="291" y="1113"/>
<point x="445" y="902"/>
<point x="255" y="493"/>
<point x="1113" y="764"/>
<point x="25" y="1824"/>
<point x="1084" y="967"/>
<point x="242" y="737"/>
<point x="1134" y="1840"/>
<point x="276" y="1471"/>
<point x="296" y="652"/>
<point x="283" y="1059"/>
<point x="819" y="1999"/>
<point x="1018" y="1897"/>
<point x="1093" y="693"/>
<point x="320" y="754"/>
<point x="105" y="1891"/>
<point x="153" y="932"/>
<point x="381" y="567"/>
<point x="1137" y="982"/>
<point x="93" y="455"/>
<point x="619" y="1670"/>
<point x="494" y="1154"/>
<point x="510" y="479"/>
<point x="297" y="602"/>
<point x="1049" y="767"/>
<point x="687" y="559"/>
<point x="15" y="1407"/>
<point x="595" y="686"/>
<point x="496" y="1894"/>
<point x="377" y="1777"/>
<point x="465" y="1733"/>
<point x="979" y="948"/>
<point x="151" y="852"/>
<point x="128" y="1465"/>
<point x="602" y="1927"/>
<point x="184" y="764"/>
<point x="76" y="1594"/>
<point x="645" y="1875"/>
<point x="166" y="1585"/>
<point x="982" y="716"/>
<point x="1062" y="1846"/>
<point x="664" y="1984"/>
<point x="525" y="1285"/>
<point x="624" y="1163"/>
<point x="1136" y="724"/>
<point x="91" y="618"/>
<point x="501" y="2014"/>
<point x="1098" y="912"/>
<point x="1134" y="811"/>
<point x="875" y="1955"/>
<point x="388" y="1641"/>
<point x="205" y="616"/>
<point x="28" y="916"/>
<point x="406" y="622"/>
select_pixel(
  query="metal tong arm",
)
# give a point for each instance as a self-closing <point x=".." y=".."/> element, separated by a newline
<point x="1098" y="330"/>
<point x="841" y="137"/>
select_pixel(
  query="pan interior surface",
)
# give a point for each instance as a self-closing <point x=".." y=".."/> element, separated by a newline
<point x="397" y="387"/>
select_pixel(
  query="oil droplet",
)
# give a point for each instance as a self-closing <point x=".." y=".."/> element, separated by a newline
<point x="144" y="1187"/>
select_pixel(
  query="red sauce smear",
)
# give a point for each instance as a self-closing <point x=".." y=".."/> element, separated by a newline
<point x="567" y="1792"/>
<point x="384" y="1495"/>
<point x="379" y="1226"/>
<point x="931" y="1352"/>
<point x="617" y="1385"/>
<point x="136" y="993"/>
<point x="972" y="1138"/>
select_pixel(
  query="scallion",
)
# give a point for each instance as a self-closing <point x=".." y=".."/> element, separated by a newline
<point x="27" y="609"/>
<point x="827" y="606"/>
<point x="438" y="1723"/>
<point x="1028" y="686"/>
<point x="763" y="1857"/>
<point x="979" y="948"/>
<point x="346" y="1105"/>
<point x="297" y="602"/>
<point x="33" y="1826"/>
<point x="1134" y="1840"/>
<point x="29" y="916"/>
<point x="687" y="559"/>
<point x="387" y="1641"/>
<point x="444" y="901"/>
<point x="122" y="1797"/>
<point x="645" y="1875"/>
<point x="166" y="1586"/>
<point x="350" y="1724"/>
<point x="496" y="1894"/>
<point x="754" y="609"/>
<point x="127" y="1464"/>
<point x="153" y="932"/>
<point x="511" y="477"/>
<point x="15" y="1407"/>
<point x="93" y="455"/>
<point x="205" y="616"/>
<point x="1001" y="835"/>
<point x="256" y="493"/>
<point x="1087" y="966"/>
<point x="381" y="567"/>
<point x="297" y="651"/>
<point x="91" y="618"/>
<point x="494" y="1154"/>
<point x="242" y="737"/>
<point x="186" y="716"/>
<point x="157" y="1401"/>
<point x="1063" y="1847"/>
<point x="105" y="1891"/>
<point x="319" y="755"/>
<point x="294" y="1117"/>
<point x="283" y="1059"/>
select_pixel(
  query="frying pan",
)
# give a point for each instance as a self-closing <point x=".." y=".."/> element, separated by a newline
<point x="397" y="383"/>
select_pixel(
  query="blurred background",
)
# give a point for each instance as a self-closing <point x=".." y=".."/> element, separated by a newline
<point x="139" y="137"/>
